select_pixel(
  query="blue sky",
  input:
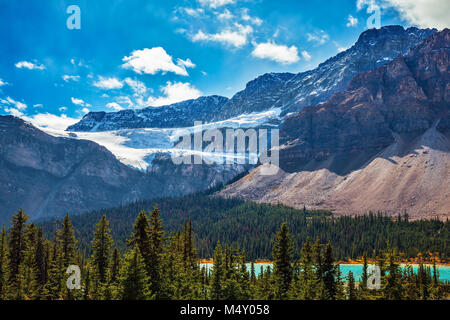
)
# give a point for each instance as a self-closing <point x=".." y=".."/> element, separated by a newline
<point x="136" y="53"/>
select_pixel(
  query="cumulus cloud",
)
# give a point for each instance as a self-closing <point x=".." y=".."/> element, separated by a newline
<point x="80" y="102"/>
<point x="3" y="82"/>
<point x="10" y="102"/>
<point x="320" y="37"/>
<point x="108" y="83"/>
<point x="279" y="53"/>
<point x="68" y="78"/>
<point x="235" y="36"/>
<point x="174" y="92"/>
<point x="193" y="12"/>
<point x="225" y="15"/>
<point x="51" y="121"/>
<point x="422" y="13"/>
<point x="306" y="55"/>
<point x="138" y="87"/>
<point x="115" y="106"/>
<point x="246" y="17"/>
<point x="215" y="3"/>
<point x="152" y="61"/>
<point x="352" y="21"/>
<point x="29" y="65"/>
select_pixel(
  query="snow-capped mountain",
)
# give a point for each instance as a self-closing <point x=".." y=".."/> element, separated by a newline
<point x="288" y="91"/>
<point x="136" y="136"/>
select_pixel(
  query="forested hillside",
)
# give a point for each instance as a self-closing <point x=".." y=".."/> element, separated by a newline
<point x="251" y="227"/>
<point x="158" y="265"/>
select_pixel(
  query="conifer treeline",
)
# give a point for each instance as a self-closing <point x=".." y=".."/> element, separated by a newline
<point x="158" y="265"/>
<point x="252" y="226"/>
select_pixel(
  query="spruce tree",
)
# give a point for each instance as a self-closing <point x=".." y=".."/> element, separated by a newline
<point x="133" y="280"/>
<point x="218" y="274"/>
<point x="351" y="289"/>
<point x="101" y="249"/>
<point x="283" y="250"/>
<point x="4" y="264"/>
<point x="156" y="249"/>
<point x="17" y="247"/>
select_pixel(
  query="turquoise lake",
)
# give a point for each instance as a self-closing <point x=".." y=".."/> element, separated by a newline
<point x="356" y="269"/>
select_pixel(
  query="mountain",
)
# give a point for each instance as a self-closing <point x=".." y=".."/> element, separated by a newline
<point x="382" y="144"/>
<point x="182" y="114"/>
<point x="49" y="176"/>
<point x="287" y="91"/>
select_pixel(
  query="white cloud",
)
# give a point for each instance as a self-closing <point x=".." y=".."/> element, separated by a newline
<point x="29" y="65"/>
<point x="85" y="110"/>
<point x="138" y="87"/>
<point x="125" y="100"/>
<point x="151" y="61"/>
<point x="279" y="53"/>
<point x="215" y="3"/>
<point x="225" y="15"/>
<point x="320" y="37"/>
<point x="51" y="121"/>
<point x="236" y="36"/>
<point x="62" y="109"/>
<point x="11" y="102"/>
<point x="246" y="17"/>
<point x="352" y="21"/>
<point x="68" y="78"/>
<point x="108" y="83"/>
<point x="193" y="12"/>
<point x="174" y="92"/>
<point x="3" y="82"/>
<point x="115" y="106"/>
<point x="185" y="63"/>
<point x="422" y="13"/>
<point x="306" y="55"/>
<point x="38" y="105"/>
<point x="14" y="112"/>
<point x="80" y="102"/>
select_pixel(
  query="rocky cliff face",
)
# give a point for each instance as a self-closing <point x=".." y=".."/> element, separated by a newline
<point x="292" y="92"/>
<point x="405" y="96"/>
<point x="49" y="176"/>
<point x="182" y="114"/>
<point x="288" y="91"/>
<point x="382" y="142"/>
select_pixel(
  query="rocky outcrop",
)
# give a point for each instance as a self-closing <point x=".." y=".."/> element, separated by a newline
<point x="382" y="144"/>
<point x="49" y="176"/>
<point x="182" y="114"/>
<point x="405" y="96"/>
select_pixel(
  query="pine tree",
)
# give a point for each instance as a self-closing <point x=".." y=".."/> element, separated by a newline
<point x="101" y="249"/>
<point x="283" y="250"/>
<point x="133" y="280"/>
<point x="115" y="265"/>
<point x="329" y="272"/>
<point x="17" y="247"/>
<point x="392" y="289"/>
<point x="4" y="264"/>
<point x="351" y="290"/>
<point x="53" y="286"/>
<point x="156" y="249"/>
<point x="218" y="274"/>
<point x="68" y="244"/>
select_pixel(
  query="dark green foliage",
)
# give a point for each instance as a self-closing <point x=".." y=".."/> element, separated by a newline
<point x="251" y="226"/>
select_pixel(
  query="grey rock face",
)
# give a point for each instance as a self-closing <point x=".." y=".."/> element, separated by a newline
<point x="49" y="176"/>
